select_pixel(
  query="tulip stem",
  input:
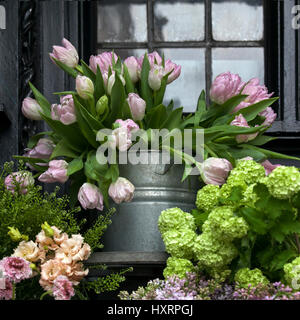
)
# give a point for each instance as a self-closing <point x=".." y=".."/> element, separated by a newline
<point x="78" y="68"/>
<point x="210" y="151"/>
<point x="45" y="294"/>
<point x="140" y="123"/>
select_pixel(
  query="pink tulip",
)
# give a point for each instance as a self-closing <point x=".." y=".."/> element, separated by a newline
<point x="64" y="112"/>
<point x="121" y="191"/>
<point x="154" y="58"/>
<point x="31" y="109"/>
<point x="169" y="65"/>
<point x="225" y="86"/>
<point x="111" y="81"/>
<point x="90" y="197"/>
<point x="133" y="68"/>
<point x="240" y="121"/>
<point x="137" y="106"/>
<point x="270" y="116"/>
<point x="66" y="54"/>
<point x="57" y="172"/>
<point x="84" y="87"/>
<point x="21" y="179"/>
<point x="103" y="60"/>
<point x="269" y="167"/>
<point x="215" y="170"/>
<point x="155" y="76"/>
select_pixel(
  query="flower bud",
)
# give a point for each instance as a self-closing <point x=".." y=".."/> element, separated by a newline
<point x="66" y="54"/>
<point x="269" y="167"/>
<point x="215" y="170"/>
<point x="133" y="68"/>
<point x="111" y="82"/>
<point x="155" y="76"/>
<point x="270" y="116"/>
<point x="64" y="112"/>
<point x="57" y="172"/>
<point x="169" y="66"/>
<point x="90" y="197"/>
<point x="49" y="232"/>
<point x="137" y="106"/>
<point x="240" y="121"/>
<point x="21" y="179"/>
<point x="15" y="235"/>
<point x="31" y="109"/>
<point x="103" y="60"/>
<point x="121" y="191"/>
<point x="84" y="87"/>
<point x="102" y="105"/>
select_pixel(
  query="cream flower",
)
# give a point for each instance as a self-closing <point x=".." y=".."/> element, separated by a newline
<point x="76" y="273"/>
<point x="28" y="251"/>
<point x="73" y="250"/>
<point x="58" y="236"/>
<point x="51" y="243"/>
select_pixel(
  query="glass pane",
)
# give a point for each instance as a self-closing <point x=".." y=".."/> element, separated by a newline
<point x="122" y="21"/>
<point x="247" y="62"/>
<point x="186" y="89"/>
<point x="235" y="20"/>
<point x="179" y="20"/>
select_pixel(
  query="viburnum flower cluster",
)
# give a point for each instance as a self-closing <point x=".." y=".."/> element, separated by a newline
<point x="54" y="256"/>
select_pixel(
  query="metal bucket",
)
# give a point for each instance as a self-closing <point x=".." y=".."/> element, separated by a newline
<point x="157" y="187"/>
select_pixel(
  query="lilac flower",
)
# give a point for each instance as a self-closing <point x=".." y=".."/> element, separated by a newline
<point x="6" y="292"/>
<point x="16" y="269"/>
<point x="63" y="288"/>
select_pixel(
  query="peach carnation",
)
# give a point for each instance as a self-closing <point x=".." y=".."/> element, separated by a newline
<point x="29" y="251"/>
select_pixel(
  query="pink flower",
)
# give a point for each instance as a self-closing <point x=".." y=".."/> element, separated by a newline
<point x="42" y="150"/>
<point x="154" y="58"/>
<point x="255" y="92"/>
<point x="137" y="106"/>
<point x="103" y="60"/>
<point x="64" y="112"/>
<point x="31" y="109"/>
<point x="66" y="54"/>
<point x="133" y="68"/>
<point x="20" y="180"/>
<point x="155" y="76"/>
<point x="169" y="65"/>
<point x="63" y="288"/>
<point x="225" y="86"/>
<point x="240" y="121"/>
<point x="15" y="269"/>
<point x="90" y="197"/>
<point x="269" y="167"/>
<point x="215" y="170"/>
<point x="270" y="116"/>
<point x="57" y="172"/>
<point x="84" y="87"/>
<point x="121" y="136"/>
<point x="111" y="81"/>
<point x="121" y="190"/>
<point x="6" y="290"/>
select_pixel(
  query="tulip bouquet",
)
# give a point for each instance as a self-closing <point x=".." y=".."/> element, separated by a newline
<point x="124" y="96"/>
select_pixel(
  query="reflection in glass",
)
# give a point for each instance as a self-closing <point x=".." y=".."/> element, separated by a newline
<point x="235" y="20"/>
<point x="186" y="89"/>
<point x="179" y="20"/>
<point x="122" y="21"/>
<point x="247" y="62"/>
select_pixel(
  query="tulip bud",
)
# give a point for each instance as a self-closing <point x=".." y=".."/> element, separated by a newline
<point x="121" y="135"/>
<point x="121" y="191"/>
<point x="240" y="121"/>
<point x="90" y="197"/>
<point x="169" y="66"/>
<point x="270" y="116"/>
<point x="57" y="172"/>
<point x="21" y="179"/>
<point x="49" y="232"/>
<point x="84" y="87"/>
<point x="133" y="68"/>
<point x="111" y="82"/>
<point x="15" y="235"/>
<point x="155" y="76"/>
<point x="64" y="112"/>
<point x="102" y="105"/>
<point x="137" y="106"/>
<point x="31" y="109"/>
<point x="103" y="60"/>
<point x="215" y="170"/>
<point x="269" y="167"/>
<point x="66" y="54"/>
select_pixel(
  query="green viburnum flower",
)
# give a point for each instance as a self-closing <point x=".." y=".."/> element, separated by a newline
<point x="283" y="182"/>
<point x="250" y="197"/>
<point x="178" y="266"/>
<point x="292" y="271"/>
<point x="175" y="219"/>
<point x="224" y="225"/>
<point x="212" y="253"/>
<point x="180" y="243"/>
<point x="207" y="197"/>
<point x="245" y="276"/>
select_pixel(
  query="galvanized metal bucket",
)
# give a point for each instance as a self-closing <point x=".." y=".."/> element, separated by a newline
<point x="157" y="187"/>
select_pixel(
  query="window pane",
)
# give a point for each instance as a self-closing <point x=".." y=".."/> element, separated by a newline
<point x="237" y="20"/>
<point x="179" y="20"/>
<point x="122" y="21"/>
<point x="186" y="89"/>
<point x="247" y="62"/>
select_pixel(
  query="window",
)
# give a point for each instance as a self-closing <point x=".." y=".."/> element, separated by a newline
<point x="206" y="37"/>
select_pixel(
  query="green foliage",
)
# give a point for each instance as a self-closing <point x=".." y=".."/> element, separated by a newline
<point x="245" y="277"/>
<point x="178" y="266"/>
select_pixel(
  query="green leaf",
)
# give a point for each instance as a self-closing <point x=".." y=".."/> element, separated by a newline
<point x="64" y="93"/>
<point x="62" y="150"/>
<point x="77" y="181"/>
<point x="156" y="117"/>
<point x="146" y="92"/>
<point x="261" y="140"/>
<point x="242" y="152"/>
<point x="187" y="171"/>
<point x="75" y="166"/>
<point x="279" y="260"/>
<point x="159" y="95"/>
<point x="73" y="73"/>
<point x="254" y="219"/>
<point x="114" y="169"/>
<point x="104" y="186"/>
<point x="128" y="81"/>
<point x="126" y="111"/>
<point x="117" y="99"/>
<point x="42" y="101"/>
<point x="200" y="217"/>
<point x="92" y="169"/>
<point x="201" y="108"/>
<point x="87" y="71"/>
<point x="34" y="139"/>
<point x="174" y="120"/>
<point x="99" y="85"/>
